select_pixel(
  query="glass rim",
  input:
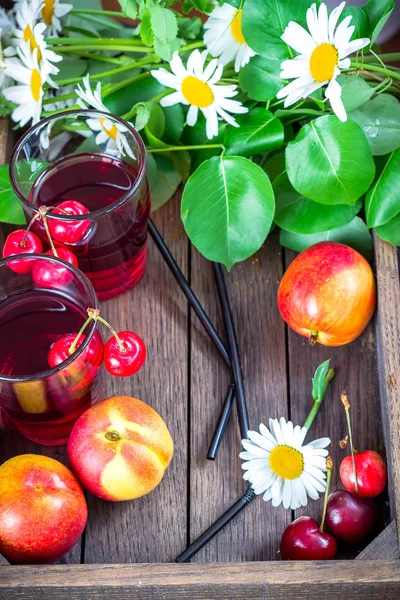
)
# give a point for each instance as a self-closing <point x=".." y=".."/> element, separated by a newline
<point x="96" y="213"/>
<point x="92" y="326"/>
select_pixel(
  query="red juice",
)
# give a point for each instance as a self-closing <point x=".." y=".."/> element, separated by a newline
<point x="46" y="407"/>
<point x="113" y="252"/>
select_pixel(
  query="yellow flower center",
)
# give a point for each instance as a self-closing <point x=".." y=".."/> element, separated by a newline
<point x="323" y="62"/>
<point x="112" y="132"/>
<point x="197" y="92"/>
<point x="236" y="27"/>
<point x="36" y="85"/>
<point x="48" y="11"/>
<point x="29" y="37"/>
<point x="287" y="462"/>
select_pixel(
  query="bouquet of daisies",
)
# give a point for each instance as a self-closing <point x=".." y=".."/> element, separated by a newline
<point x="272" y="114"/>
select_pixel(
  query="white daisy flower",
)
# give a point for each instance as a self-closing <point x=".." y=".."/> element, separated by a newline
<point x="280" y="467"/>
<point x="110" y="133"/>
<point x="3" y="63"/>
<point x="224" y="37"/>
<point x="30" y="33"/>
<point x="6" y="23"/>
<point x="52" y="12"/>
<point x="29" y="94"/>
<point x="322" y="53"/>
<point x="196" y="87"/>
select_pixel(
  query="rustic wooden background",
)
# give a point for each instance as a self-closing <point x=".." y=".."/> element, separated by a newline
<point x="185" y="380"/>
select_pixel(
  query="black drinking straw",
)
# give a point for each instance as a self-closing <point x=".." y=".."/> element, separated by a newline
<point x="209" y="328"/>
<point x="249" y="495"/>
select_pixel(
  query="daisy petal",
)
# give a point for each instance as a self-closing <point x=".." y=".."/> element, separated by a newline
<point x="333" y="19"/>
<point x="172" y="99"/>
<point x="298" y="38"/>
<point x="333" y="92"/>
<point x="352" y="47"/>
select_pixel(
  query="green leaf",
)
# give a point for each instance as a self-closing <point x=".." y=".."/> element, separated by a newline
<point x="123" y="100"/>
<point x="380" y="120"/>
<point x="275" y="166"/>
<point x="378" y="12"/>
<point x="300" y="215"/>
<point x="71" y="67"/>
<point x="204" y="6"/>
<point x="156" y="122"/>
<point x="227" y="208"/>
<point x="258" y="132"/>
<point x="142" y="116"/>
<point x="390" y="231"/>
<point x="95" y="67"/>
<point x="264" y="22"/>
<point x="165" y="51"/>
<point x="182" y="163"/>
<point x="163" y="179"/>
<point x="260" y="78"/>
<point x="189" y="29"/>
<point x="235" y="3"/>
<point x="330" y="162"/>
<point x="382" y="202"/>
<point x="359" y="21"/>
<point x="354" y="234"/>
<point x="129" y="8"/>
<point x="146" y="30"/>
<point x="10" y="207"/>
<point x="174" y="123"/>
<point x="163" y="22"/>
<point x="355" y="91"/>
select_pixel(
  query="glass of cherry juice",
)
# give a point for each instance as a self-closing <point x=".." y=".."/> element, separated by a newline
<point x="90" y="167"/>
<point x="42" y="299"/>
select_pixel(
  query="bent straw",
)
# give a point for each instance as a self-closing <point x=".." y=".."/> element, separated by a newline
<point x="209" y="328"/>
<point x="249" y="495"/>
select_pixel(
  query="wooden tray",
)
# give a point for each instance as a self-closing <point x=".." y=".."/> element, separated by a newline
<point x="185" y="380"/>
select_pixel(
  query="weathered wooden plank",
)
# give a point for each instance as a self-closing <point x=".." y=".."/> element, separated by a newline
<point x="356" y="372"/>
<point x="12" y="443"/>
<point x="153" y="528"/>
<point x="388" y="339"/>
<point x="214" y="486"/>
<point x="383" y="547"/>
<point x="362" y="580"/>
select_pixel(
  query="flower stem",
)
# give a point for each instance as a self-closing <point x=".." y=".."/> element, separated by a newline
<point x="121" y="69"/>
<point x="390" y="57"/>
<point x="115" y="334"/>
<point x="121" y="84"/>
<point x="346" y="405"/>
<point x="72" y="347"/>
<point x="368" y="67"/>
<point x="90" y="46"/>
<point x="299" y="111"/>
<point x="177" y="148"/>
<point x="318" y="400"/>
<point x="329" y="467"/>
<point x="70" y="41"/>
<point x="93" y="11"/>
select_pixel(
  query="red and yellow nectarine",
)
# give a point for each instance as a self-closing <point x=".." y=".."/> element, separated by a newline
<point x="42" y="509"/>
<point x="328" y="294"/>
<point x="120" y="448"/>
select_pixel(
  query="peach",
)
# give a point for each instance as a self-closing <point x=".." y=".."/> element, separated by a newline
<point x="328" y="294"/>
<point x="119" y="448"/>
<point x="42" y="509"/>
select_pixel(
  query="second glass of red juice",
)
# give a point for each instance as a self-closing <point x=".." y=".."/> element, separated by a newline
<point x="98" y="161"/>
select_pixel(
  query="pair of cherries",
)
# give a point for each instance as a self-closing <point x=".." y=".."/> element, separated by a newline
<point x="123" y="354"/>
<point x="350" y="514"/>
<point x="59" y="232"/>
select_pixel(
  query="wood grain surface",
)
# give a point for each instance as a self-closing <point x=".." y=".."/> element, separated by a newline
<point x="371" y="580"/>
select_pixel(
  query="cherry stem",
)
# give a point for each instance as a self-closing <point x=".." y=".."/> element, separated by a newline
<point x="329" y="467"/>
<point x="23" y="241"/>
<point x="42" y="212"/>
<point x="72" y="347"/>
<point x="115" y="334"/>
<point x="346" y="405"/>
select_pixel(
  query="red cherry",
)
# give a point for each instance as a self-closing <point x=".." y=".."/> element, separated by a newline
<point x="15" y="244"/>
<point x="51" y="275"/>
<point x="371" y="473"/>
<point x="350" y="518"/>
<point x="124" y="364"/>
<point x="69" y="232"/>
<point x="303" y="540"/>
<point x="92" y="354"/>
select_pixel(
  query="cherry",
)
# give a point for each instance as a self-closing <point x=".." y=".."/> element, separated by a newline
<point x="63" y="349"/>
<point x="349" y="517"/>
<point x="124" y="354"/>
<point x="69" y="232"/>
<point x="371" y="473"/>
<point x="51" y="275"/>
<point x="303" y="540"/>
<point x="22" y="242"/>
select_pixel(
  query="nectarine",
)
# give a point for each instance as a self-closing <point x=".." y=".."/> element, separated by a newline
<point x="328" y="294"/>
<point x="42" y="509"/>
<point x="120" y="448"/>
